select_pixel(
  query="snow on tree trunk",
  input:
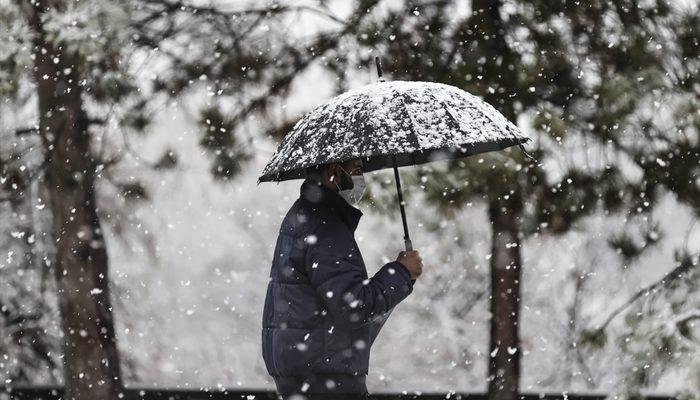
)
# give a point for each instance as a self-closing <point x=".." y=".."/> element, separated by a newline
<point x="91" y="362"/>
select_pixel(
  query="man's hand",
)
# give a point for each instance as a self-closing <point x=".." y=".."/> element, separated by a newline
<point x="412" y="261"/>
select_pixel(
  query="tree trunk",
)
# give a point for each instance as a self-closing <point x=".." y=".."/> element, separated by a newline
<point x="504" y="359"/>
<point x="91" y="362"/>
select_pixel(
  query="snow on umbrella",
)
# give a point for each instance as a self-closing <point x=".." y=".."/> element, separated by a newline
<point x="392" y="124"/>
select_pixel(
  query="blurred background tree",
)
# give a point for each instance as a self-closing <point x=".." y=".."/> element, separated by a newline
<point x="79" y="79"/>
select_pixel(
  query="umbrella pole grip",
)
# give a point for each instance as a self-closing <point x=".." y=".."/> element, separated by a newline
<point x="406" y="237"/>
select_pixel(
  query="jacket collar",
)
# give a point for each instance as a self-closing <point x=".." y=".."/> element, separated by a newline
<point x="314" y="192"/>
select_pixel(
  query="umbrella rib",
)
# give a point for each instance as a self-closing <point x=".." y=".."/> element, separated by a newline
<point x="448" y="111"/>
<point x="358" y="113"/>
<point x="293" y="140"/>
<point x="413" y="125"/>
<point x="494" y="123"/>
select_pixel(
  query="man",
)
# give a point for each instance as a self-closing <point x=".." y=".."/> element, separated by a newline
<point x="322" y="312"/>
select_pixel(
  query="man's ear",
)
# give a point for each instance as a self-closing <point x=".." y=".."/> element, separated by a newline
<point x="332" y="170"/>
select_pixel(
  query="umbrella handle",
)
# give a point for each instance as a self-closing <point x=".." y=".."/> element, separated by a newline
<point x="409" y="245"/>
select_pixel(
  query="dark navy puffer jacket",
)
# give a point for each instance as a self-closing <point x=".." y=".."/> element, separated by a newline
<point x="322" y="312"/>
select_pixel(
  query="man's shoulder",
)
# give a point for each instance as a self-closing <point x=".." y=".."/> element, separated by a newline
<point x="305" y="218"/>
<point x="302" y="217"/>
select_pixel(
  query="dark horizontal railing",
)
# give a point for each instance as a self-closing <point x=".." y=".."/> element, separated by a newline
<point x="54" y="393"/>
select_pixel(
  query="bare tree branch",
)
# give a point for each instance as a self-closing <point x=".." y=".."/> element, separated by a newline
<point x="176" y="6"/>
<point x="26" y="131"/>
<point x="321" y="46"/>
<point x="670" y="277"/>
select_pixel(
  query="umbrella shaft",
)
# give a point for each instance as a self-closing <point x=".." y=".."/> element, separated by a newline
<point x="406" y="237"/>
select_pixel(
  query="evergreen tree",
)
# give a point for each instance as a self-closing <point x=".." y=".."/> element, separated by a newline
<point x="583" y="73"/>
<point x="80" y="78"/>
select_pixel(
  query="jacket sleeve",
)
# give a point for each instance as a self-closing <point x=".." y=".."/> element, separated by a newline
<point x="350" y="299"/>
<point x="377" y="325"/>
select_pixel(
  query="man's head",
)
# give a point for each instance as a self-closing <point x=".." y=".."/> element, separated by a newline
<point x="337" y="176"/>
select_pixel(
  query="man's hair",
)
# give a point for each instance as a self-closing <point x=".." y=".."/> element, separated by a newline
<point x="315" y="170"/>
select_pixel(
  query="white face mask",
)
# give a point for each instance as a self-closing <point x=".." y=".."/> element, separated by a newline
<point x="353" y="196"/>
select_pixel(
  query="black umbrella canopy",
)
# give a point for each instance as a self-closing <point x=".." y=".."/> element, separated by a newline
<point x="392" y="124"/>
<point x="408" y="122"/>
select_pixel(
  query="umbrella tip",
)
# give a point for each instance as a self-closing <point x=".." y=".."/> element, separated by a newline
<point x="379" y="68"/>
<point x="528" y="155"/>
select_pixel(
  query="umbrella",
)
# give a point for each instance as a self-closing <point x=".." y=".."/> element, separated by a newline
<point x="390" y="125"/>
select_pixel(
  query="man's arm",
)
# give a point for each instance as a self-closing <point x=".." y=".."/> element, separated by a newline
<point x="378" y="323"/>
<point x="352" y="300"/>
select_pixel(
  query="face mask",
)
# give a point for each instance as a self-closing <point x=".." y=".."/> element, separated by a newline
<point x="351" y="194"/>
